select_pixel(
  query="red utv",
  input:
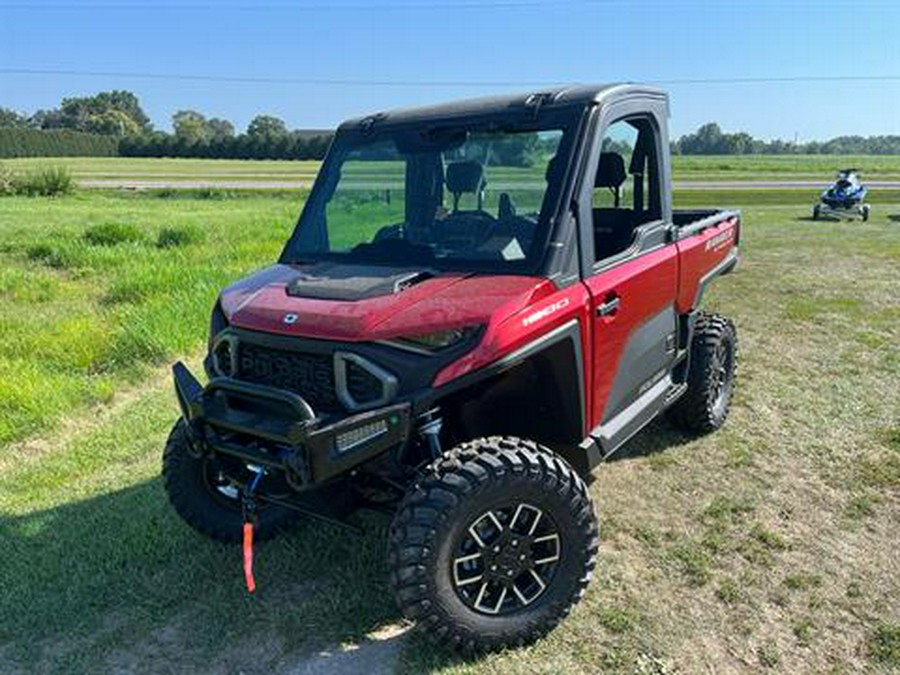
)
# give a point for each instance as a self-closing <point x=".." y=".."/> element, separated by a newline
<point x="480" y="302"/>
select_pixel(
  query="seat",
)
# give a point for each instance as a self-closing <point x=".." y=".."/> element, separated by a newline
<point x="611" y="173"/>
<point x="463" y="177"/>
<point x="613" y="227"/>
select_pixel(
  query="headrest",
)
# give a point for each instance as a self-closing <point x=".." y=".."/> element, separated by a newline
<point x="610" y="171"/>
<point x="465" y="177"/>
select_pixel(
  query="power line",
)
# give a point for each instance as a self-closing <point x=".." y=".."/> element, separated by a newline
<point x="270" y="80"/>
<point x="354" y="82"/>
<point x="413" y="6"/>
<point x="316" y="7"/>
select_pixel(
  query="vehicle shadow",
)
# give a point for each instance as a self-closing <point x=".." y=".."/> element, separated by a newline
<point x="118" y="582"/>
<point x="894" y="218"/>
<point x="657" y="437"/>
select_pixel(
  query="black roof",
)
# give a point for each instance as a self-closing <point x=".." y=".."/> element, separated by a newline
<point x="573" y="95"/>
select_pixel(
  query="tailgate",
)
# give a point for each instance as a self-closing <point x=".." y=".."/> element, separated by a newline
<point x="706" y="249"/>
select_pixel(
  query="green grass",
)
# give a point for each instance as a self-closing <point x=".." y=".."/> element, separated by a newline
<point x="746" y="549"/>
<point x="761" y="167"/>
<point x="95" y="289"/>
<point x="175" y="169"/>
<point x="728" y="167"/>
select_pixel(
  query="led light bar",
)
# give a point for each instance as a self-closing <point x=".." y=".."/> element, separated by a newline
<point x="360" y="435"/>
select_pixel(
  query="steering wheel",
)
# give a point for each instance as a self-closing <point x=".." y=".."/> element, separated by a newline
<point x="464" y="229"/>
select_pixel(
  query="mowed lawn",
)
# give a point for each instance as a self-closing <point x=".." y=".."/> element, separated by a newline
<point x="685" y="168"/>
<point x="771" y="545"/>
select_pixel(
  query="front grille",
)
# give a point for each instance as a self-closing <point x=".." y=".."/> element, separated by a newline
<point x="310" y="375"/>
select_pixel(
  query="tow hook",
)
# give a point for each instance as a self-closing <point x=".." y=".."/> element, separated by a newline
<point x="250" y="513"/>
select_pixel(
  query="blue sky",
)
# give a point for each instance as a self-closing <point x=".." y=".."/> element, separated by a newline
<point x="515" y="44"/>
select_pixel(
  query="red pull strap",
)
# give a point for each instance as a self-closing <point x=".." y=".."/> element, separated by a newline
<point x="248" y="557"/>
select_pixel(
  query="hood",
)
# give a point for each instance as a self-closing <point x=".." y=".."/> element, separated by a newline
<point x="360" y="304"/>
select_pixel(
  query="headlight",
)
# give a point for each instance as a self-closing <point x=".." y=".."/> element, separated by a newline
<point x="437" y="340"/>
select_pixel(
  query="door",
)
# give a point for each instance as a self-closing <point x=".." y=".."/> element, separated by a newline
<point x="632" y="282"/>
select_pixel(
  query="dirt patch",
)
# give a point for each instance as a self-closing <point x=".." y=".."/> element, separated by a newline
<point x="376" y="655"/>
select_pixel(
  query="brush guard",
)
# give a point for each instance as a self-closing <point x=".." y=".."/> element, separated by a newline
<point x="279" y="431"/>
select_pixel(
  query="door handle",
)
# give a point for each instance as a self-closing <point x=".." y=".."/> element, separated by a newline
<point x="609" y="307"/>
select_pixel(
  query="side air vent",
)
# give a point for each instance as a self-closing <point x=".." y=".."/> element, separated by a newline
<point x="360" y="383"/>
<point x="224" y="354"/>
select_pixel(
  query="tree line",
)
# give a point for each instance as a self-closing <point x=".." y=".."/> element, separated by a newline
<point x="27" y="142"/>
<point x="113" y="123"/>
<point x="711" y="140"/>
<point x="124" y="129"/>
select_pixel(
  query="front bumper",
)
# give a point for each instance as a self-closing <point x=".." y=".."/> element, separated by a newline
<point x="278" y="429"/>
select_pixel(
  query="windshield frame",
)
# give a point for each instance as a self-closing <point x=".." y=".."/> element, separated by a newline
<point x="567" y="119"/>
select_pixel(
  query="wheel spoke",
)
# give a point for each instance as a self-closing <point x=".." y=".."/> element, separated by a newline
<point x="499" y="604"/>
<point x="480" y="596"/>
<point x="472" y="580"/>
<point x="496" y="522"/>
<point x="476" y="535"/>
<point x="526" y="507"/>
<point x="528" y="599"/>
<point x="537" y="578"/>
<point x="521" y="596"/>
<point x="534" y="525"/>
<point x="549" y="558"/>
<point x="459" y="564"/>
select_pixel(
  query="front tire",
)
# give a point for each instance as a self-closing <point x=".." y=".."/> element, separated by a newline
<point x="711" y="376"/>
<point x="205" y="500"/>
<point x="493" y="546"/>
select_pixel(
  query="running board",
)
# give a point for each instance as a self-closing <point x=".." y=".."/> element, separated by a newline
<point x="607" y="438"/>
<point x="616" y="432"/>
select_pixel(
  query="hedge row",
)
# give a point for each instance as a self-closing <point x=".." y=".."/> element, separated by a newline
<point x="244" y="146"/>
<point x="17" y="142"/>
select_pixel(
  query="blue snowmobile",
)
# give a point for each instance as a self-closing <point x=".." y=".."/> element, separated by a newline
<point x="844" y="199"/>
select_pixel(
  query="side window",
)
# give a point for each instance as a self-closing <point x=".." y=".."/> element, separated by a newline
<point x="626" y="185"/>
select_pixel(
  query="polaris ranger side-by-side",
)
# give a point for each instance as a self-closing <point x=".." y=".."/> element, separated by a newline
<point x="479" y="303"/>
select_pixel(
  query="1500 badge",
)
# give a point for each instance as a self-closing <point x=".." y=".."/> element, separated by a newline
<point x="545" y="312"/>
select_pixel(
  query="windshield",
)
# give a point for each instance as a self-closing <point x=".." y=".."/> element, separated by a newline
<point x="451" y="197"/>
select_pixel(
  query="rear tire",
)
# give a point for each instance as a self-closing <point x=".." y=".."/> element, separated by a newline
<point x="711" y="376"/>
<point x="865" y="212"/>
<point x="211" y="507"/>
<point x="817" y="211"/>
<point x="493" y="546"/>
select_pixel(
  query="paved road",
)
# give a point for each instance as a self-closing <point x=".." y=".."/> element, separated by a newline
<point x="146" y="184"/>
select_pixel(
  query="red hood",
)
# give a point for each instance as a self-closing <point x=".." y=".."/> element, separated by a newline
<point x="450" y="300"/>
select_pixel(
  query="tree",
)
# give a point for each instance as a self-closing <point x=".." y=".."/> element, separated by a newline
<point x="10" y="118"/>
<point x="190" y="126"/>
<point x="267" y="127"/>
<point x="47" y="119"/>
<point x="112" y="123"/>
<point x="107" y="110"/>
<point x="219" y="129"/>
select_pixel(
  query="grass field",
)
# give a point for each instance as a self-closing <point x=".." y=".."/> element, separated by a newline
<point x="771" y="545"/>
<point x="728" y="167"/>
<point x="92" y="295"/>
